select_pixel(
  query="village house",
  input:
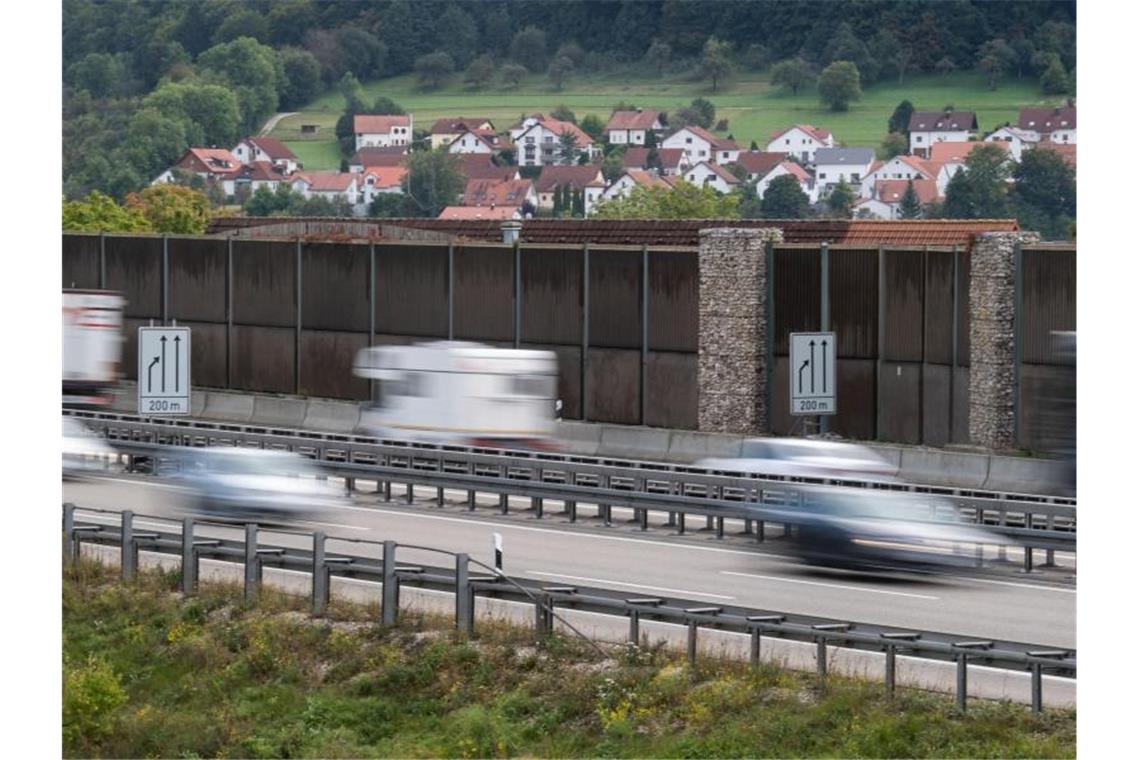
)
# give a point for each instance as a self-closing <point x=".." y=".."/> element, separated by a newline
<point x="1018" y="139"/>
<point x="270" y="149"/>
<point x="784" y="168"/>
<point x="800" y="141"/>
<point x="885" y="201"/>
<point x="390" y="156"/>
<point x="494" y="193"/>
<point x="1067" y="151"/>
<point x="1058" y="125"/>
<point x="850" y="165"/>
<point x="586" y="179"/>
<point x="623" y="185"/>
<point x="759" y="163"/>
<point x="899" y="167"/>
<point x="700" y="145"/>
<point x="372" y="130"/>
<point x="633" y="127"/>
<point x="930" y="127"/>
<point x="257" y="175"/>
<point x="671" y="160"/>
<point x="216" y="166"/>
<point x="948" y="158"/>
<point x="708" y="174"/>
<point x="444" y="131"/>
<point x="483" y="141"/>
<point x="381" y="179"/>
<point x="480" y="166"/>
<point x="330" y="185"/>
<point x="537" y="141"/>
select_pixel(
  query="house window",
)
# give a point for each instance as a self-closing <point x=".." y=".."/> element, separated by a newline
<point x="822" y="175"/>
<point x="787" y="142"/>
<point x="918" y="138"/>
<point x="688" y="141"/>
<point x="1032" y="123"/>
<point x="854" y="177"/>
<point x="700" y="153"/>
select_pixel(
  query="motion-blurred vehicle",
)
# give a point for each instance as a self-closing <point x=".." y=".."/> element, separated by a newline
<point x="84" y="452"/>
<point x="862" y="529"/>
<point x="92" y="346"/>
<point x="461" y="393"/>
<point x="804" y="458"/>
<point x="232" y="483"/>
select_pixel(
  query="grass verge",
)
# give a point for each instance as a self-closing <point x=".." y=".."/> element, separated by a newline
<point x="148" y="673"/>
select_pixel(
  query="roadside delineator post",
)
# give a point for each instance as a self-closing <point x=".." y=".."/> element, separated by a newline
<point x="252" y="576"/>
<point x="464" y="599"/>
<point x="389" y="594"/>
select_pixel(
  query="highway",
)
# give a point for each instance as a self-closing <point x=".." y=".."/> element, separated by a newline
<point x="1001" y="603"/>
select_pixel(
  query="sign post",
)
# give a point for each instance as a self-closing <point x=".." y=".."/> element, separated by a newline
<point x="164" y="370"/>
<point x="812" y="364"/>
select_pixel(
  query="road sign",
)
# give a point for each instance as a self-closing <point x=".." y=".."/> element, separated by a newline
<point x="164" y="370"/>
<point x="812" y="363"/>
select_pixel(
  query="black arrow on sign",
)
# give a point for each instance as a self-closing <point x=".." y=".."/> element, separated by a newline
<point x="823" y="358"/>
<point x="177" y="340"/>
<point x="149" y="379"/>
<point x="801" y="380"/>
<point x="163" y="341"/>
<point x="811" y="344"/>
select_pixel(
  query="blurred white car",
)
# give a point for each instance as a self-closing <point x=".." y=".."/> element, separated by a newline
<point x="258" y="485"/>
<point x="804" y="458"/>
<point x="83" y="451"/>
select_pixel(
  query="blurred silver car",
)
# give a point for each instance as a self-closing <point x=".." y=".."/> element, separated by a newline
<point x="83" y="451"/>
<point x="804" y="458"/>
<point x="869" y="529"/>
<point x="257" y="485"/>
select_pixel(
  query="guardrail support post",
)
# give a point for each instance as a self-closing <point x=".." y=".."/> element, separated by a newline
<point x="439" y="497"/>
<point x="1028" y="568"/>
<point x="536" y="505"/>
<point x="504" y="504"/>
<point x="1049" y="560"/>
<point x="692" y="643"/>
<point x="681" y="523"/>
<point x="754" y="657"/>
<point x="409" y="492"/>
<point x="821" y="656"/>
<point x="634" y="626"/>
<point x="320" y="575"/>
<point x="470" y="501"/>
<point x="572" y="510"/>
<point x="70" y="548"/>
<point x="890" y="674"/>
<point x="961" y="691"/>
<point x="251" y="563"/>
<point x="643" y="517"/>
<point x="189" y="558"/>
<point x="708" y="522"/>
<point x="464" y="600"/>
<point x="387" y="490"/>
<point x="128" y="562"/>
<point x="720" y="527"/>
<point x="747" y="527"/>
<point x="1035" y="697"/>
<point x="759" y="531"/>
<point x="671" y="521"/>
<point x="606" y="514"/>
<point x="389" y="595"/>
<point x="543" y="618"/>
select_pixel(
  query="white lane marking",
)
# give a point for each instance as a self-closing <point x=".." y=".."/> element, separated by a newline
<point x="829" y="585"/>
<point x="336" y="525"/>
<point x="630" y="585"/>
<point x="1022" y="585"/>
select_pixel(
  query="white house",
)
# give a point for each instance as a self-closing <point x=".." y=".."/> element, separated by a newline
<point x="372" y="130"/>
<point x="783" y="168"/>
<point x="623" y="185"/>
<point x="537" y="141"/>
<point x="482" y="141"/>
<point x="759" y="163"/>
<point x="260" y="174"/>
<point x="444" y="131"/>
<point x="330" y="185"/>
<point x="1058" y="125"/>
<point x="899" y="167"/>
<point x="712" y="175"/>
<point x="800" y="141"/>
<point x="586" y="179"/>
<point x="699" y="145"/>
<point x="377" y="180"/>
<point x="216" y="166"/>
<point x="949" y="157"/>
<point x="391" y="156"/>
<point x="848" y="164"/>
<point x="886" y="197"/>
<point x="1018" y="139"/>
<point x="269" y="149"/>
<point x="632" y="127"/>
<point x="929" y="127"/>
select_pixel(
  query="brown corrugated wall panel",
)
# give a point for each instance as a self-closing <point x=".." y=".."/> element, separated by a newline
<point x="265" y="283"/>
<point x="963" y="312"/>
<point x="795" y="294"/>
<point x="198" y="281"/>
<point x="262" y="359"/>
<point x="207" y="354"/>
<point x="411" y="290"/>
<point x="326" y="365"/>
<point x="615" y="299"/>
<point x="674" y="293"/>
<point x="552" y="296"/>
<point x="940" y="306"/>
<point x="903" y="331"/>
<point x="1049" y="302"/>
<point x="484" y="293"/>
<point x="80" y="265"/>
<point x="134" y="268"/>
<point x="613" y="384"/>
<point x="334" y="287"/>
<point x="854" y="287"/>
<point x="671" y="385"/>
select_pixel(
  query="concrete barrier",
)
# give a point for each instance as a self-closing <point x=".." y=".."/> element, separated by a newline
<point x="1025" y="475"/>
<point x="578" y="437"/>
<point x="273" y="411"/>
<point x="632" y="442"/>
<point x="228" y="407"/>
<point x="331" y="416"/>
<point x="944" y="468"/>
<point x="690" y="446"/>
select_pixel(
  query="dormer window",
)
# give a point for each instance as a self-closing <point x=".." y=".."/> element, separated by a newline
<point x="1032" y="123"/>
<point x="1064" y="123"/>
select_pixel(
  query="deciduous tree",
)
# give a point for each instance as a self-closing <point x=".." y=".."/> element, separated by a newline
<point x="513" y="73"/>
<point x="716" y="60"/>
<point x="433" y="182"/>
<point x="795" y="74"/>
<point x="480" y="72"/>
<point x="839" y="85"/>
<point x="979" y="190"/>
<point x="433" y="69"/>
<point x="785" y="199"/>
<point x="99" y="213"/>
<point x="528" y="47"/>
<point x="900" y="118"/>
<point x="682" y="201"/>
<point x="172" y="208"/>
<point x="840" y="200"/>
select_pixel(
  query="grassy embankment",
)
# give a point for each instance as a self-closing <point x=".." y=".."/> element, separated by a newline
<point x="753" y="107"/>
<point x="149" y="674"/>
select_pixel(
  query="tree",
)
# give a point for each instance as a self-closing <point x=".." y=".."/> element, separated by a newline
<point x="706" y="109"/>
<point x="613" y="166"/>
<point x="362" y="51"/>
<point x="716" y="60"/>
<point x="433" y="182"/>
<point x="559" y="205"/>
<point x="658" y="55"/>
<point x="155" y="141"/>
<point x="302" y="80"/>
<point x="1044" y="193"/>
<point x="1054" y="81"/>
<point x="480" y="71"/>
<point x="844" y="45"/>
<point x="385" y="106"/>
<point x="562" y="112"/>
<point x="99" y="213"/>
<point x="568" y="150"/>
<point x="757" y="57"/>
<point x="352" y="91"/>
<point x="978" y="191"/>
<point x="458" y="31"/>
<point x="560" y="69"/>
<point x="945" y="65"/>
<point x="266" y="202"/>
<point x="900" y="118"/>
<point x="388" y="206"/>
<point x="513" y="73"/>
<point x="840" y="200"/>
<point x="101" y="74"/>
<point x="172" y="208"/>
<point x="995" y="58"/>
<point x="794" y="74"/>
<point x="573" y="51"/>
<point x="784" y="199"/>
<point x="209" y="113"/>
<point x="528" y="47"/>
<point x="253" y="71"/>
<point x="910" y="207"/>
<point x="839" y="85"/>
<point x="682" y="201"/>
<point x="593" y="125"/>
<point x="433" y="69"/>
<point x="894" y="144"/>
<point x="243" y="22"/>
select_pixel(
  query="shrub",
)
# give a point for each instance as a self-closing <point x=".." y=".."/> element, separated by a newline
<point x="91" y="695"/>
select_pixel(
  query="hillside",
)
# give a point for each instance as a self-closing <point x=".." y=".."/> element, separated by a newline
<point x="752" y="105"/>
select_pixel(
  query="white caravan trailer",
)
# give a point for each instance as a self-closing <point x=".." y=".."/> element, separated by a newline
<point x="92" y="346"/>
<point x="461" y="393"/>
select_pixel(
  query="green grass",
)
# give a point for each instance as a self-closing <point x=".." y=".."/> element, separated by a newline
<point x="149" y="674"/>
<point x="753" y="107"/>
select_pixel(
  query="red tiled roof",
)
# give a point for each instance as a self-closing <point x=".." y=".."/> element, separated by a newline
<point x="272" y="147"/>
<point x="576" y="177"/>
<point x="670" y="157"/>
<point x="1067" y="151"/>
<point x="632" y="119"/>
<point x="1048" y="119"/>
<point x="892" y="190"/>
<point x="479" y="166"/>
<point x="385" y="176"/>
<point x="797" y="171"/>
<point x="636" y="157"/>
<point x="719" y="171"/>
<point x="263" y="171"/>
<point x="212" y="160"/>
<point x="366" y="123"/>
<point x="942" y="121"/>
<point x="561" y="127"/>
<point x="760" y="162"/>
<point x="479" y="212"/>
<point x="394" y="155"/>
<point x="943" y="152"/>
<point x="718" y="143"/>
<point x="453" y="124"/>
<point x="817" y="132"/>
<point x="480" y="192"/>
<point x="646" y="178"/>
<point x="327" y="181"/>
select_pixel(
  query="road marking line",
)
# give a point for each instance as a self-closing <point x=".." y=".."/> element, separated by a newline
<point x="1022" y="585"/>
<point x="829" y="585"/>
<point x="631" y="585"/>
<point x="336" y="525"/>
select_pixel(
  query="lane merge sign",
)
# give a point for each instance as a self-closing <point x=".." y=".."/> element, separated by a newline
<point x="811" y="359"/>
<point x="164" y="370"/>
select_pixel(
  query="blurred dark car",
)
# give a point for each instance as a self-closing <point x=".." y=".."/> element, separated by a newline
<point x="804" y="458"/>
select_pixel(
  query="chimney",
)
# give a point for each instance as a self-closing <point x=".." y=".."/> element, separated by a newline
<point x="511" y="230"/>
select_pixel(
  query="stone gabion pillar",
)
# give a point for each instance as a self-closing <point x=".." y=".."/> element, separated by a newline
<point x="733" y="333"/>
<point x="993" y="375"/>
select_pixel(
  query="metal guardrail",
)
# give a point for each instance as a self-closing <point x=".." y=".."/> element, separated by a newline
<point x="459" y="580"/>
<point x="673" y="489"/>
